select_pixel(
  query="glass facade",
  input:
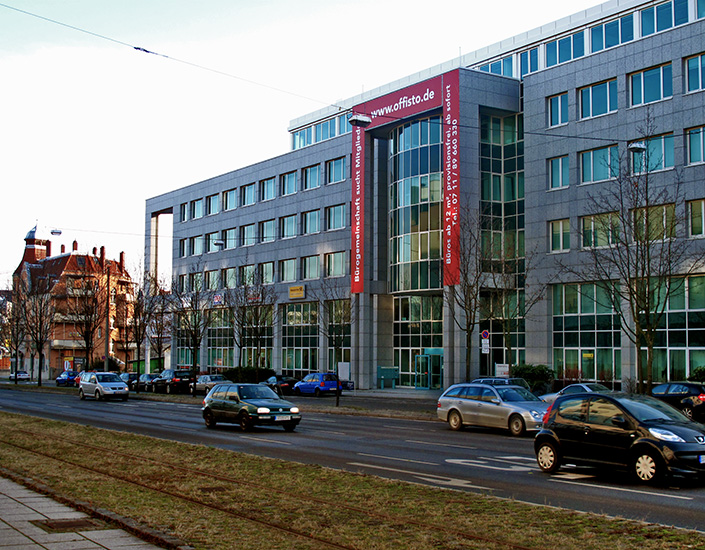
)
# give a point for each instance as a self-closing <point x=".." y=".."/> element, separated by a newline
<point x="418" y="326"/>
<point x="300" y="339"/>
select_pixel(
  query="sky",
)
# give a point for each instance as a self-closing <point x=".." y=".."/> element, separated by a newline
<point x="90" y="127"/>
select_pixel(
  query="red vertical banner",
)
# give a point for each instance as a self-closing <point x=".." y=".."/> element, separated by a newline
<point x="357" y="255"/>
<point x="451" y="177"/>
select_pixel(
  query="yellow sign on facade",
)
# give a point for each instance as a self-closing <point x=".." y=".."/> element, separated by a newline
<point x="297" y="292"/>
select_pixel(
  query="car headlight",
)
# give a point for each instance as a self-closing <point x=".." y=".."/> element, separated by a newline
<point x="665" y="435"/>
<point x="294" y="410"/>
<point x="536" y="414"/>
<point x="262" y="410"/>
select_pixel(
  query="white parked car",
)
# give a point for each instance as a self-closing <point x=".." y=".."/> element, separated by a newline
<point x="20" y="375"/>
<point x="102" y="385"/>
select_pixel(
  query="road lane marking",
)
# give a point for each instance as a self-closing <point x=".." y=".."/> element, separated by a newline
<point x="621" y="489"/>
<point x="265" y="440"/>
<point x="438" y="480"/>
<point x="485" y="465"/>
<point x="400" y="459"/>
<point x="439" y="444"/>
<point x="405" y="429"/>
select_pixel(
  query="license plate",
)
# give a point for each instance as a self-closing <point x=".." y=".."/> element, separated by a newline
<point x="284" y="418"/>
<point x="701" y="459"/>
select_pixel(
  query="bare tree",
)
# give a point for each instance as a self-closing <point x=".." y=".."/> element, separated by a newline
<point x="634" y="242"/>
<point x="36" y="286"/>
<point x="159" y="332"/>
<point x="259" y="299"/>
<point x="143" y="305"/>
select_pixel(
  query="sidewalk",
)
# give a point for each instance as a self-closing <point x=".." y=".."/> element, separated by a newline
<point x="32" y="521"/>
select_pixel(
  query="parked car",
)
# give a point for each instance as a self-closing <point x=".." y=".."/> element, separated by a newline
<point x="102" y="385"/>
<point x="512" y="408"/>
<point x="283" y="385"/>
<point x="585" y="387"/>
<point x="205" y="383"/>
<point x="130" y="378"/>
<point x="19" y="375"/>
<point x="249" y="405"/>
<point x="688" y="397"/>
<point x="319" y="384"/>
<point x="645" y="436"/>
<point x="172" y="381"/>
<point x="145" y="381"/>
<point x="502" y="381"/>
<point x="67" y="378"/>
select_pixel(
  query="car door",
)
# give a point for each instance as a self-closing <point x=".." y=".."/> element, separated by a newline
<point x="569" y="424"/>
<point x="609" y="432"/>
<point x="490" y="412"/>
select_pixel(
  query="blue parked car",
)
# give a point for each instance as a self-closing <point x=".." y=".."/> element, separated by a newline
<point x="67" y="378"/>
<point x="319" y="384"/>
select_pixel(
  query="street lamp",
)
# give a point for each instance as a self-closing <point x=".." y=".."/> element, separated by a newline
<point x="362" y="121"/>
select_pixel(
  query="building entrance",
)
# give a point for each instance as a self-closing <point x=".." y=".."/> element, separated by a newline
<point x="429" y="369"/>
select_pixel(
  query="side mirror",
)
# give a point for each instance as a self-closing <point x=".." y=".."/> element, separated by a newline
<point x="620" y="422"/>
<point x="495" y="401"/>
<point x="234" y="398"/>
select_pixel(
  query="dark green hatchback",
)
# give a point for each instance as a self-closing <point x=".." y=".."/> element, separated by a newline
<point x="249" y="405"/>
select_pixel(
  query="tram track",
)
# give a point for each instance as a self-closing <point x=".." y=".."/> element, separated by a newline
<point x="168" y="469"/>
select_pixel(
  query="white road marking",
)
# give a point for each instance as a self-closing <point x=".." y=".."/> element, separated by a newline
<point x="439" y="444"/>
<point x="485" y="465"/>
<point x="438" y="480"/>
<point x="265" y="440"/>
<point x="621" y="489"/>
<point x="400" y="459"/>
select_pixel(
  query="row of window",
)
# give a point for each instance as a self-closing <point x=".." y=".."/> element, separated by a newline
<point x="605" y="229"/>
<point x="334" y="265"/>
<point x="321" y="131"/>
<point x="335" y="217"/>
<point x="602" y="164"/>
<point x="593" y="39"/>
<point x="264" y="190"/>
<point x="647" y="86"/>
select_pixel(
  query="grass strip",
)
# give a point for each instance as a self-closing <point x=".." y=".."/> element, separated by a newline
<point x="351" y="510"/>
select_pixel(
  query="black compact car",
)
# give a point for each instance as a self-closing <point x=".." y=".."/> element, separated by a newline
<point x="283" y="385"/>
<point x="172" y="381"/>
<point x="130" y="378"/>
<point x="249" y="405"/>
<point x="638" y="433"/>
<point x="688" y="397"/>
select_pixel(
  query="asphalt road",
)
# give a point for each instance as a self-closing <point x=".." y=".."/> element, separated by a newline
<point x="421" y="451"/>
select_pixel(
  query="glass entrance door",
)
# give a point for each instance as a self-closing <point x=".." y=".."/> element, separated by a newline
<point x="429" y="371"/>
<point x="421" y="379"/>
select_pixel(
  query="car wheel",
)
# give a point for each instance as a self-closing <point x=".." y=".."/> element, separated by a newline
<point x="209" y="419"/>
<point x="168" y="388"/>
<point x="547" y="457"/>
<point x="516" y="425"/>
<point x="317" y="392"/>
<point x="290" y="426"/>
<point x="154" y="389"/>
<point x="97" y="395"/>
<point x="245" y="423"/>
<point x="688" y="411"/>
<point x="455" y="421"/>
<point x="81" y="395"/>
<point x="647" y="468"/>
<point x="297" y="391"/>
<point x="124" y="398"/>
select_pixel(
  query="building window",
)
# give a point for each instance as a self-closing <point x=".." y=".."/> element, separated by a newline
<point x="599" y="164"/>
<point x="267" y="189"/>
<point x="560" y="235"/>
<point x="344" y="126"/>
<point x="267" y="271"/>
<point x="310" y="222"/>
<point x="558" y="109"/>
<point x="600" y="230"/>
<point x="230" y="199"/>
<point x="196" y="209"/>
<point x="695" y="71"/>
<point x="335" y="217"/>
<point x="288" y="182"/>
<point x="229" y="277"/>
<point x="612" y="34"/>
<point x="335" y="264"/>
<point x="183" y="248"/>
<point x="287" y="271"/>
<point x="196" y="245"/>
<point x="658" y="155"/>
<point x="325" y="130"/>
<point x="335" y="170"/>
<point x="247" y="275"/>
<point x="196" y="282"/>
<point x="183" y="212"/>
<point x="248" y="235"/>
<point x="663" y="16"/>
<point x="701" y="9"/>
<point x="696" y="210"/>
<point x="558" y="172"/>
<point x="651" y="85"/>
<point x="302" y="138"/>
<point x="655" y="223"/>
<point x="529" y="61"/>
<point x="312" y="177"/>
<point x="310" y="268"/>
<point x="504" y="66"/>
<point x="565" y="49"/>
<point x="229" y="238"/>
<point x="696" y="145"/>
<point x="248" y="194"/>
<point x="288" y="226"/>
<point x="211" y="239"/>
<point x="267" y="231"/>
<point x="598" y="99"/>
<point x="212" y="280"/>
<point x="212" y="205"/>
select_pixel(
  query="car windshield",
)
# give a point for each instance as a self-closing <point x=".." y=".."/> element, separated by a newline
<point x="515" y="394"/>
<point x="329" y="378"/>
<point x="181" y="373"/>
<point x="597" y="387"/>
<point x="108" y="377"/>
<point x="646" y="408"/>
<point x="217" y="378"/>
<point x="255" y="391"/>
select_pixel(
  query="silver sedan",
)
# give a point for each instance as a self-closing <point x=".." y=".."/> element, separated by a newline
<point x="585" y="387"/>
<point x="509" y="407"/>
